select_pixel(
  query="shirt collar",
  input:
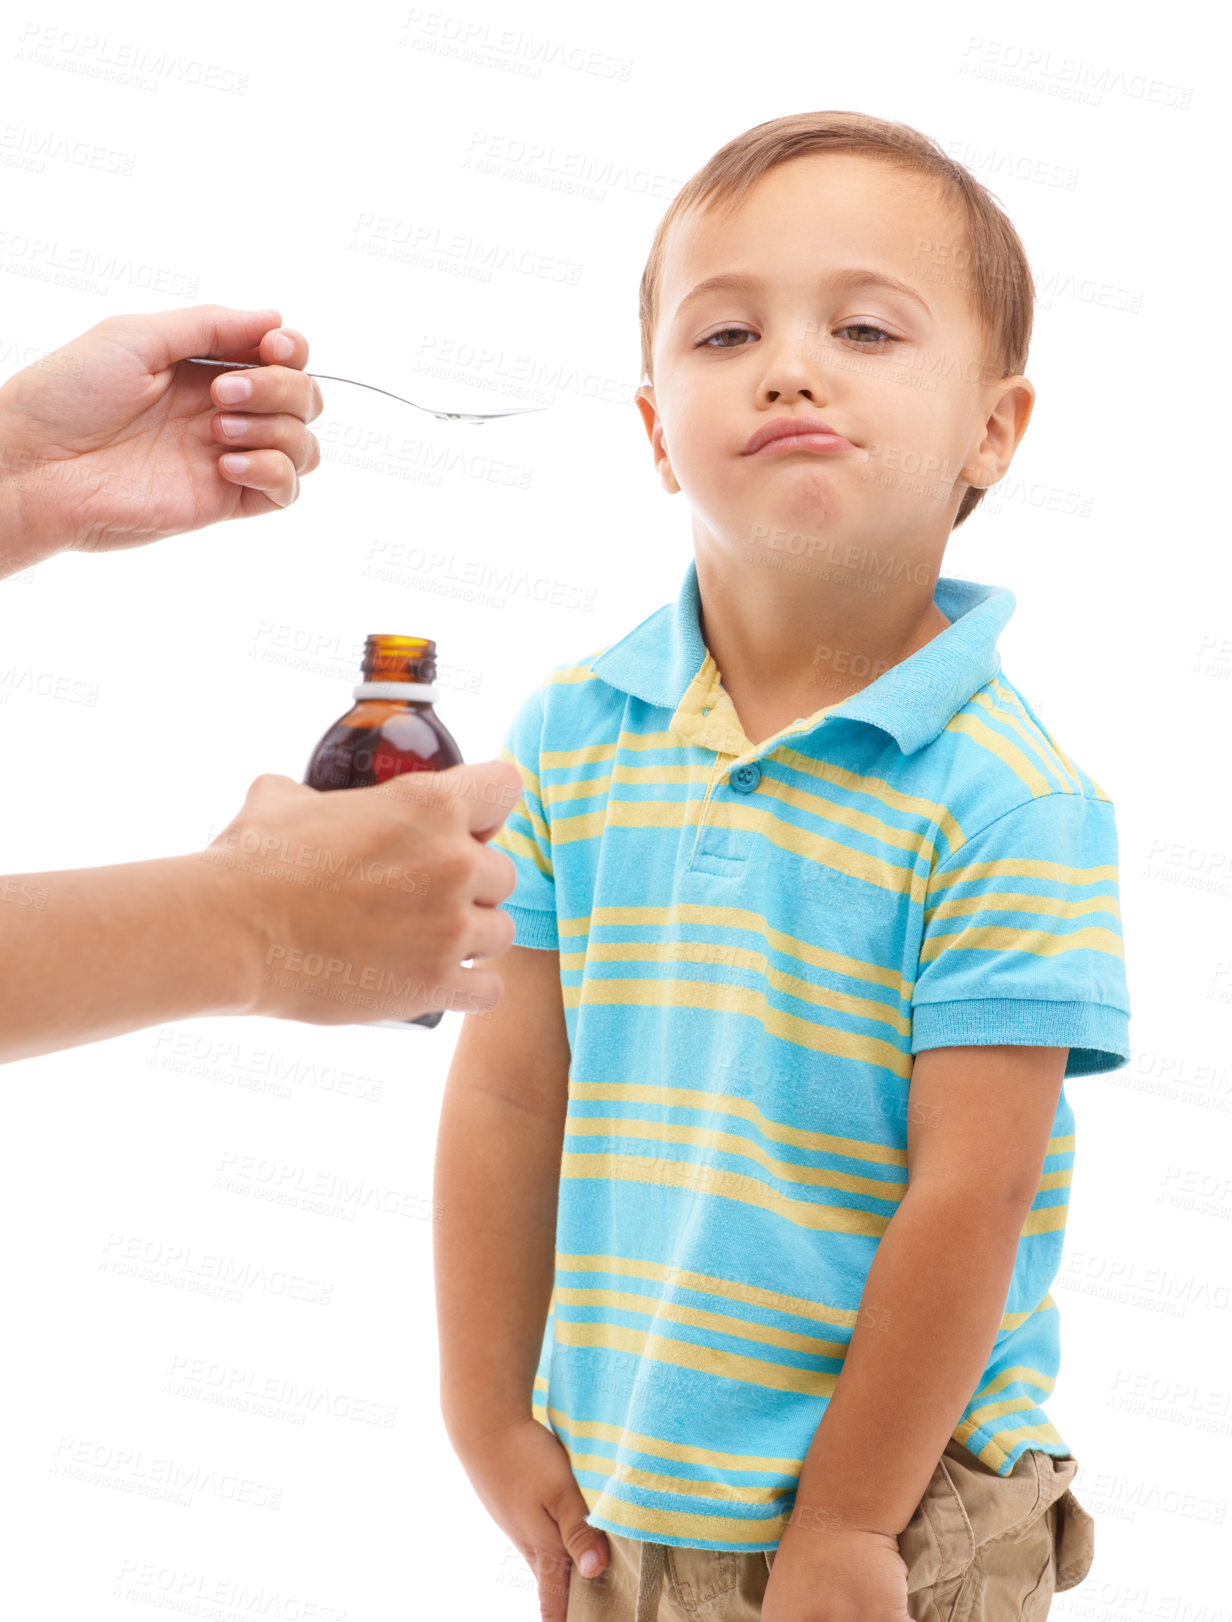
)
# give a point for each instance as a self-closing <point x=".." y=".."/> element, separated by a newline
<point x="664" y="661"/>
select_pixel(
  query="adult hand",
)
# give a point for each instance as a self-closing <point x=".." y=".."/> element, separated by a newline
<point x="116" y="439"/>
<point x="364" y="904"/>
<point x="351" y="906"/>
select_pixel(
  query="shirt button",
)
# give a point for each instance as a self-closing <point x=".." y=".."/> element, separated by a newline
<point x="746" y="778"/>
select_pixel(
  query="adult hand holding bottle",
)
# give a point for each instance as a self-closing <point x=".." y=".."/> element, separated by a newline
<point x="333" y="908"/>
<point x="113" y="441"/>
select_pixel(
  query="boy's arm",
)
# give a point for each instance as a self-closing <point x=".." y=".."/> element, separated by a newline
<point x="978" y="1129"/>
<point x="495" y="1193"/>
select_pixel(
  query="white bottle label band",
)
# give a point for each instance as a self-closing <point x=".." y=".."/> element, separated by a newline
<point x="417" y="692"/>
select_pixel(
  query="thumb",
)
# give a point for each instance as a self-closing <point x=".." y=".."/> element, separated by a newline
<point x="167" y="336"/>
<point x="585" y="1544"/>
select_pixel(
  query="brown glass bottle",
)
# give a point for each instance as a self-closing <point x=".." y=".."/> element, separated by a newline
<point x="391" y="729"/>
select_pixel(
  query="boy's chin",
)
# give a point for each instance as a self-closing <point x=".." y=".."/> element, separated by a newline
<point x="818" y="515"/>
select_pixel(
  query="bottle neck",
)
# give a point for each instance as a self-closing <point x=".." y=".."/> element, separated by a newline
<point x="402" y="668"/>
<point x="410" y="692"/>
<point x="399" y="659"/>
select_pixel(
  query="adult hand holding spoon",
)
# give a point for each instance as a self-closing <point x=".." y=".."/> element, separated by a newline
<point x="114" y="440"/>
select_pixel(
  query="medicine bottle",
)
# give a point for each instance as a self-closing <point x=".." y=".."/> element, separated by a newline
<point x="392" y="728"/>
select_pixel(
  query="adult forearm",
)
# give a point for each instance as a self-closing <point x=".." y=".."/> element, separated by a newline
<point x="29" y="528"/>
<point x="932" y="1305"/>
<point x="495" y="1193"/>
<point x="96" y="952"/>
<point x="18" y="549"/>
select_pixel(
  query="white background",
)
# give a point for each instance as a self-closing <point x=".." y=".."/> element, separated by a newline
<point x="267" y="161"/>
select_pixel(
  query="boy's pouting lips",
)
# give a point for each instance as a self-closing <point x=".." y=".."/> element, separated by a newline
<point x="905" y="380"/>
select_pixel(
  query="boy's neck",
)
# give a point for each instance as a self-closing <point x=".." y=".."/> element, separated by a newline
<point x="788" y="644"/>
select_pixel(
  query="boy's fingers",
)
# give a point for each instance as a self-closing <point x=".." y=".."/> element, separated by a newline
<point x="552" y="1577"/>
<point x="590" y="1555"/>
<point x="587" y="1546"/>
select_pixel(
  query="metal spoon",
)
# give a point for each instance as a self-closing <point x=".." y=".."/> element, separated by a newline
<point x="445" y="416"/>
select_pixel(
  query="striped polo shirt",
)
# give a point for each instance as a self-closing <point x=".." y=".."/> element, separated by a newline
<point x="754" y="939"/>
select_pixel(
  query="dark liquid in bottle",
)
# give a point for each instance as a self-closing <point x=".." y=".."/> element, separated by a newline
<point x="383" y="737"/>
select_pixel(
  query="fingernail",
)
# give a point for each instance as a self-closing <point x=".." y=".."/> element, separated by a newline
<point x="232" y="389"/>
<point x="235" y="463"/>
<point x="589" y="1563"/>
<point x="233" y="427"/>
<point x="283" y="347"/>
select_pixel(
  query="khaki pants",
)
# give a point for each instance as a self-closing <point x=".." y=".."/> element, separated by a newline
<point x="979" y="1548"/>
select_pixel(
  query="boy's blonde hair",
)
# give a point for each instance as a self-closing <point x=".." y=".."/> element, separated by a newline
<point x="992" y="263"/>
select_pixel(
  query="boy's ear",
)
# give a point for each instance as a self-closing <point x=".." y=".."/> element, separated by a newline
<point x="1009" y="412"/>
<point x="644" y="397"/>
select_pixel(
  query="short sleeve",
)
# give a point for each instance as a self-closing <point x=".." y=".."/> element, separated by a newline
<point x="526" y="836"/>
<point x="1022" y="938"/>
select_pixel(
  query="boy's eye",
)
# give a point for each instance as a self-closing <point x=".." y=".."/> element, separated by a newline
<point x="854" y="326"/>
<point x="722" y="333"/>
<point x="867" y="326"/>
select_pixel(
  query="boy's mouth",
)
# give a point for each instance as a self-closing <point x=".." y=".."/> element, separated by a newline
<point x="796" y="433"/>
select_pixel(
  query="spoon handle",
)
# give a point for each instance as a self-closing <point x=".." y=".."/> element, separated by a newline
<point x="445" y="416"/>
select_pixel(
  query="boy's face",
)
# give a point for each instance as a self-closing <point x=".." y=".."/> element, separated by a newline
<point x="912" y="397"/>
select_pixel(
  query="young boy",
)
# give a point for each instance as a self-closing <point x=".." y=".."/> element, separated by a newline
<point x="813" y="917"/>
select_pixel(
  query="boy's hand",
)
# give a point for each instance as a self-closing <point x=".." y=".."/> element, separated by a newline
<point x="523" y="1475"/>
<point x="836" y="1576"/>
